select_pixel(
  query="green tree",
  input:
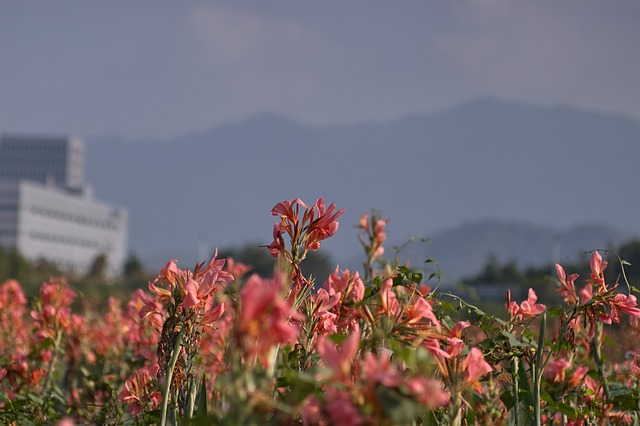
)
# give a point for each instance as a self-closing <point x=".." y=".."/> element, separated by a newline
<point x="17" y="266"/>
<point x="4" y="268"/>
<point x="98" y="269"/>
<point x="133" y="268"/>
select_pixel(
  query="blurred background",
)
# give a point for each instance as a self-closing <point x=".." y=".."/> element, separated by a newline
<point x="491" y="133"/>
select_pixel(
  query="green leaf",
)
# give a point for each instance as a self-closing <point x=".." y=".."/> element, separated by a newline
<point x="559" y="407"/>
<point x="35" y="399"/>
<point x="202" y="399"/>
<point x="399" y="408"/>
<point x="338" y="338"/>
<point x="300" y="386"/>
<point x="523" y="383"/>
<point x="556" y="311"/>
<point x="447" y="306"/>
<point x="513" y="340"/>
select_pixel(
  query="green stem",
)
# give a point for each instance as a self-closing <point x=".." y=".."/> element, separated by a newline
<point x="597" y="355"/>
<point x="516" y="390"/>
<point x="537" y="371"/>
<point x="54" y="359"/>
<point x="456" y="412"/>
<point x="193" y="395"/>
<point x="171" y="366"/>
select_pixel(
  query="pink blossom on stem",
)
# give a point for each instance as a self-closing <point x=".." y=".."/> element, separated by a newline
<point x="433" y="346"/>
<point x="597" y="270"/>
<point x="555" y="370"/>
<point x="388" y="302"/>
<point x="418" y="310"/>
<point x="324" y="226"/>
<point x="527" y="309"/>
<point x="350" y="285"/>
<point x="342" y="410"/>
<point x="624" y="303"/>
<point x="586" y="294"/>
<point x="475" y="368"/>
<point x="139" y="392"/>
<point x="339" y="358"/>
<point x="265" y="318"/>
<point x="567" y="288"/>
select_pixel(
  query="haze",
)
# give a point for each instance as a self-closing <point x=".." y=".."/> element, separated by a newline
<point x="165" y="68"/>
<point x="405" y="74"/>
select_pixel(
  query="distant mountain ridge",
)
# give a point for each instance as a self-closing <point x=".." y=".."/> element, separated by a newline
<point x="554" y="166"/>
<point x="464" y="250"/>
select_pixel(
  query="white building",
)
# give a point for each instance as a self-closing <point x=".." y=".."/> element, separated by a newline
<point x="46" y="212"/>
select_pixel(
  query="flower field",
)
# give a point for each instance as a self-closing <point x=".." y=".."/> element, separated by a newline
<point x="380" y="346"/>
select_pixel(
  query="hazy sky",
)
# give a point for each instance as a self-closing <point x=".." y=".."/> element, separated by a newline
<point x="164" y="68"/>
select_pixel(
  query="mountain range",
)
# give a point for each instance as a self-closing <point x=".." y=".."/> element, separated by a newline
<point x="490" y="161"/>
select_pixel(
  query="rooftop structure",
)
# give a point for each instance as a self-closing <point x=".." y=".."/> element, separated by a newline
<point x="47" y="160"/>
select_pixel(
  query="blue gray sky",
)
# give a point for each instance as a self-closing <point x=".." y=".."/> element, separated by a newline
<point x="165" y="68"/>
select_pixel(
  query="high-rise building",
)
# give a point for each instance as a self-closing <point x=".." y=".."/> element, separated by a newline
<point x="53" y="161"/>
<point x="47" y="212"/>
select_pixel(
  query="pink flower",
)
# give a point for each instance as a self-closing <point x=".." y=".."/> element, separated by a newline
<point x="339" y="358"/>
<point x="237" y="269"/>
<point x="586" y="294"/>
<point x="433" y="346"/>
<point x="388" y="302"/>
<point x="475" y="368"/>
<point x="378" y="369"/>
<point x="312" y="413"/>
<point x="419" y="310"/>
<point x="317" y="224"/>
<point x="597" y="270"/>
<point x="54" y="312"/>
<point x="197" y="291"/>
<point x="286" y="211"/>
<point x="323" y="303"/>
<point x="278" y="245"/>
<point x="265" y="318"/>
<point x="342" y="411"/>
<point x="567" y="289"/>
<point x="350" y="285"/>
<point x="374" y="231"/>
<point x="555" y="370"/>
<point x="527" y="309"/>
<point x="429" y="392"/>
<point x="11" y="294"/>
<point x="623" y="303"/>
<point x="139" y="392"/>
<point x="324" y="226"/>
<point x="576" y="378"/>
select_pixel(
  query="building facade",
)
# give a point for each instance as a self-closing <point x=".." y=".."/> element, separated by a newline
<point x="46" y="212"/>
<point x="53" y="161"/>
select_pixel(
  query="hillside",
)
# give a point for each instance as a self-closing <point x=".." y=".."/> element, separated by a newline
<point x="464" y="250"/>
<point x="552" y="166"/>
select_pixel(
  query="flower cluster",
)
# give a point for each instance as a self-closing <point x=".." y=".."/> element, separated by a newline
<point x="213" y="346"/>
